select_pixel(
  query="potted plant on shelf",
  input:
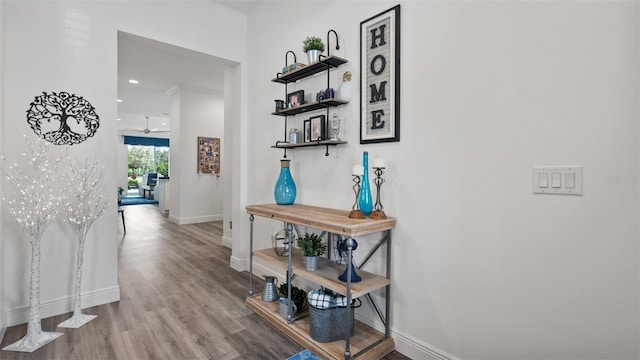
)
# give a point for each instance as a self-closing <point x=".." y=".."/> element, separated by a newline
<point x="313" y="46"/>
<point x="298" y="296"/>
<point x="312" y="248"/>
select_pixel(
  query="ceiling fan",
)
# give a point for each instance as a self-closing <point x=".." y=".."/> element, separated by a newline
<point x="146" y="130"/>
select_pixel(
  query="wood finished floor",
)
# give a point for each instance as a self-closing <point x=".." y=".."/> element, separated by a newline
<point x="179" y="300"/>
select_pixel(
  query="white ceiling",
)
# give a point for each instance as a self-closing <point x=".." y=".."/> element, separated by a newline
<point x="158" y="67"/>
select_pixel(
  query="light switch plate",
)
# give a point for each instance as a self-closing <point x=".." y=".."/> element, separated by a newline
<point x="564" y="187"/>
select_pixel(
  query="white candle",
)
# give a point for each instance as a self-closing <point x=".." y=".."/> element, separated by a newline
<point x="358" y="170"/>
<point x="378" y="163"/>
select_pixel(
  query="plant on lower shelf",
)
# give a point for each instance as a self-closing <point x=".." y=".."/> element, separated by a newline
<point x="298" y="296"/>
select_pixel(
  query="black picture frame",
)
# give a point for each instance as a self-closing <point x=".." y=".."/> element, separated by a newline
<point x="295" y="99"/>
<point x="307" y="131"/>
<point x="318" y="127"/>
<point x="380" y="77"/>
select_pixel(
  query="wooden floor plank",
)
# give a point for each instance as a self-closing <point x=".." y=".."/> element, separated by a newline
<point x="179" y="300"/>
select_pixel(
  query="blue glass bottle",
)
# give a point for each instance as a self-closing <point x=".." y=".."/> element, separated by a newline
<point x="285" y="190"/>
<point x="364" y="200"/>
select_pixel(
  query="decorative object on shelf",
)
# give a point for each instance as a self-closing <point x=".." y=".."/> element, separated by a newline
<point x="380" y="77"/>
<point x="62" y="118"/>
<point x="335" y="127"/>
<point x="295" y="99"/>
<point x="280" y="243"/>
<point x="313" y="46"/>
<point x="34" y="207"/>
<point x="88" y="205"/>
<point x="318" y="128"/>
<point x="365" y="201"/>
<point x="343" y="246"/>
<point x="298" y="296"/>
<point x="285" y="190"/>
<point x="292" y="67"/>
<point x="208" y="155"/>
<point x="378" y="169"/>
<point x="270" y="292"/>
<point x="294" y="135"/>
<point x="356" y="213"/>
<point x="329" y="93"/>
<point x="312" y="248"/>
<point x="346" y="89"/>
<point x="327" y="312"/>
<point x="284" y="312"/>
<point x="307" y="130"/>
<point x="279" y="105"/>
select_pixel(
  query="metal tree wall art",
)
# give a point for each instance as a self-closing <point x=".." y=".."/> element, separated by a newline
<point x="62" y="118"/>
<point x="86" y="204"/>
<point x="34" y="206"/>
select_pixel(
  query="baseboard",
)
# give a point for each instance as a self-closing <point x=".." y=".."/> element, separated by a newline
<point x="238" y="264"/>
<point x="408" y="345"/>
<point x="64" y="305"/>
<point x="227" y="242"/>
<point x="195" y="219"/>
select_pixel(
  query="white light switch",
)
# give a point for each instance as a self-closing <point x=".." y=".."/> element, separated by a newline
<point x="570" y="180"/>
<point x="543" y="180"/>
<point x="557" y="180"/>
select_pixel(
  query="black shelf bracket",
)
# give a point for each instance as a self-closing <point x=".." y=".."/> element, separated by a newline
<point x="337" y="41"/>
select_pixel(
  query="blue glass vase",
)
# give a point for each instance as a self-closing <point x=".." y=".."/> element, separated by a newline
<point x="285" y="191"/>
<point x="364" y="199"/>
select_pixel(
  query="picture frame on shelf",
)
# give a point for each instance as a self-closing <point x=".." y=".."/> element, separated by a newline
<point x="307" y="131"/>
<point x="318" y="127"/>
<point x="380" y="77"/>
<point x="295" y="99"/>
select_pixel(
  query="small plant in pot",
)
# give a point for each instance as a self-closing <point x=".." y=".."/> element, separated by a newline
<point x="298" y="296"/>
<point x="313" y="46"/>
<point x="312" y="248"/>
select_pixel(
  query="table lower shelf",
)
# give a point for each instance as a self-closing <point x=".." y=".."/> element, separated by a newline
<point x="299" y="331"/>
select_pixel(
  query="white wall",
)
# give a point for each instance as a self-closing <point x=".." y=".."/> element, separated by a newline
<point x="79" y="56"/>
<point x="3" y="314"/>
<point x="481" y="267"/>
<point x="195" y="197"/>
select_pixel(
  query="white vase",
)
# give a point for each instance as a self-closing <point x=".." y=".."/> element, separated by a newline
<point x="313" y="56"/>
<point x="346" y="91"/>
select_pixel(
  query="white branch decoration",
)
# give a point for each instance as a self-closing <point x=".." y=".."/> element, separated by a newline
<point x="87" y="203"/>
<point x="34" y="206"/>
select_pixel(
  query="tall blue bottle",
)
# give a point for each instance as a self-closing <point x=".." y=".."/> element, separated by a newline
<point x="285" y="190"/>
<point x="364" y="200"/>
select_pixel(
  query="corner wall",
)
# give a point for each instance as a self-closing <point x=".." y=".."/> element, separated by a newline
<point x="482" y="268"/>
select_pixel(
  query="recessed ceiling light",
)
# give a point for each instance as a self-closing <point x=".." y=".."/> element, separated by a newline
<point x="164" y="123"/>
<point x="119" y="100"/>
<point x="133" y="81"/>
<point x="118" y="119"/>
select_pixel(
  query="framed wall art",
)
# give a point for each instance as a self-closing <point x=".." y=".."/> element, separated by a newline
<point x="208" y="155"/>
<point x="307" y="130"/>
<point x="380" y="77"/>
<point x="318" y="127"/>
<point x="295" y="98"/>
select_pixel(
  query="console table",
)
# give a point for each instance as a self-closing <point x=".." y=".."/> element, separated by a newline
<point x="366" y="343"/>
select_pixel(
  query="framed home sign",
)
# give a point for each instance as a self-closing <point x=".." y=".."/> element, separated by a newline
<point x="380" y="77"/>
